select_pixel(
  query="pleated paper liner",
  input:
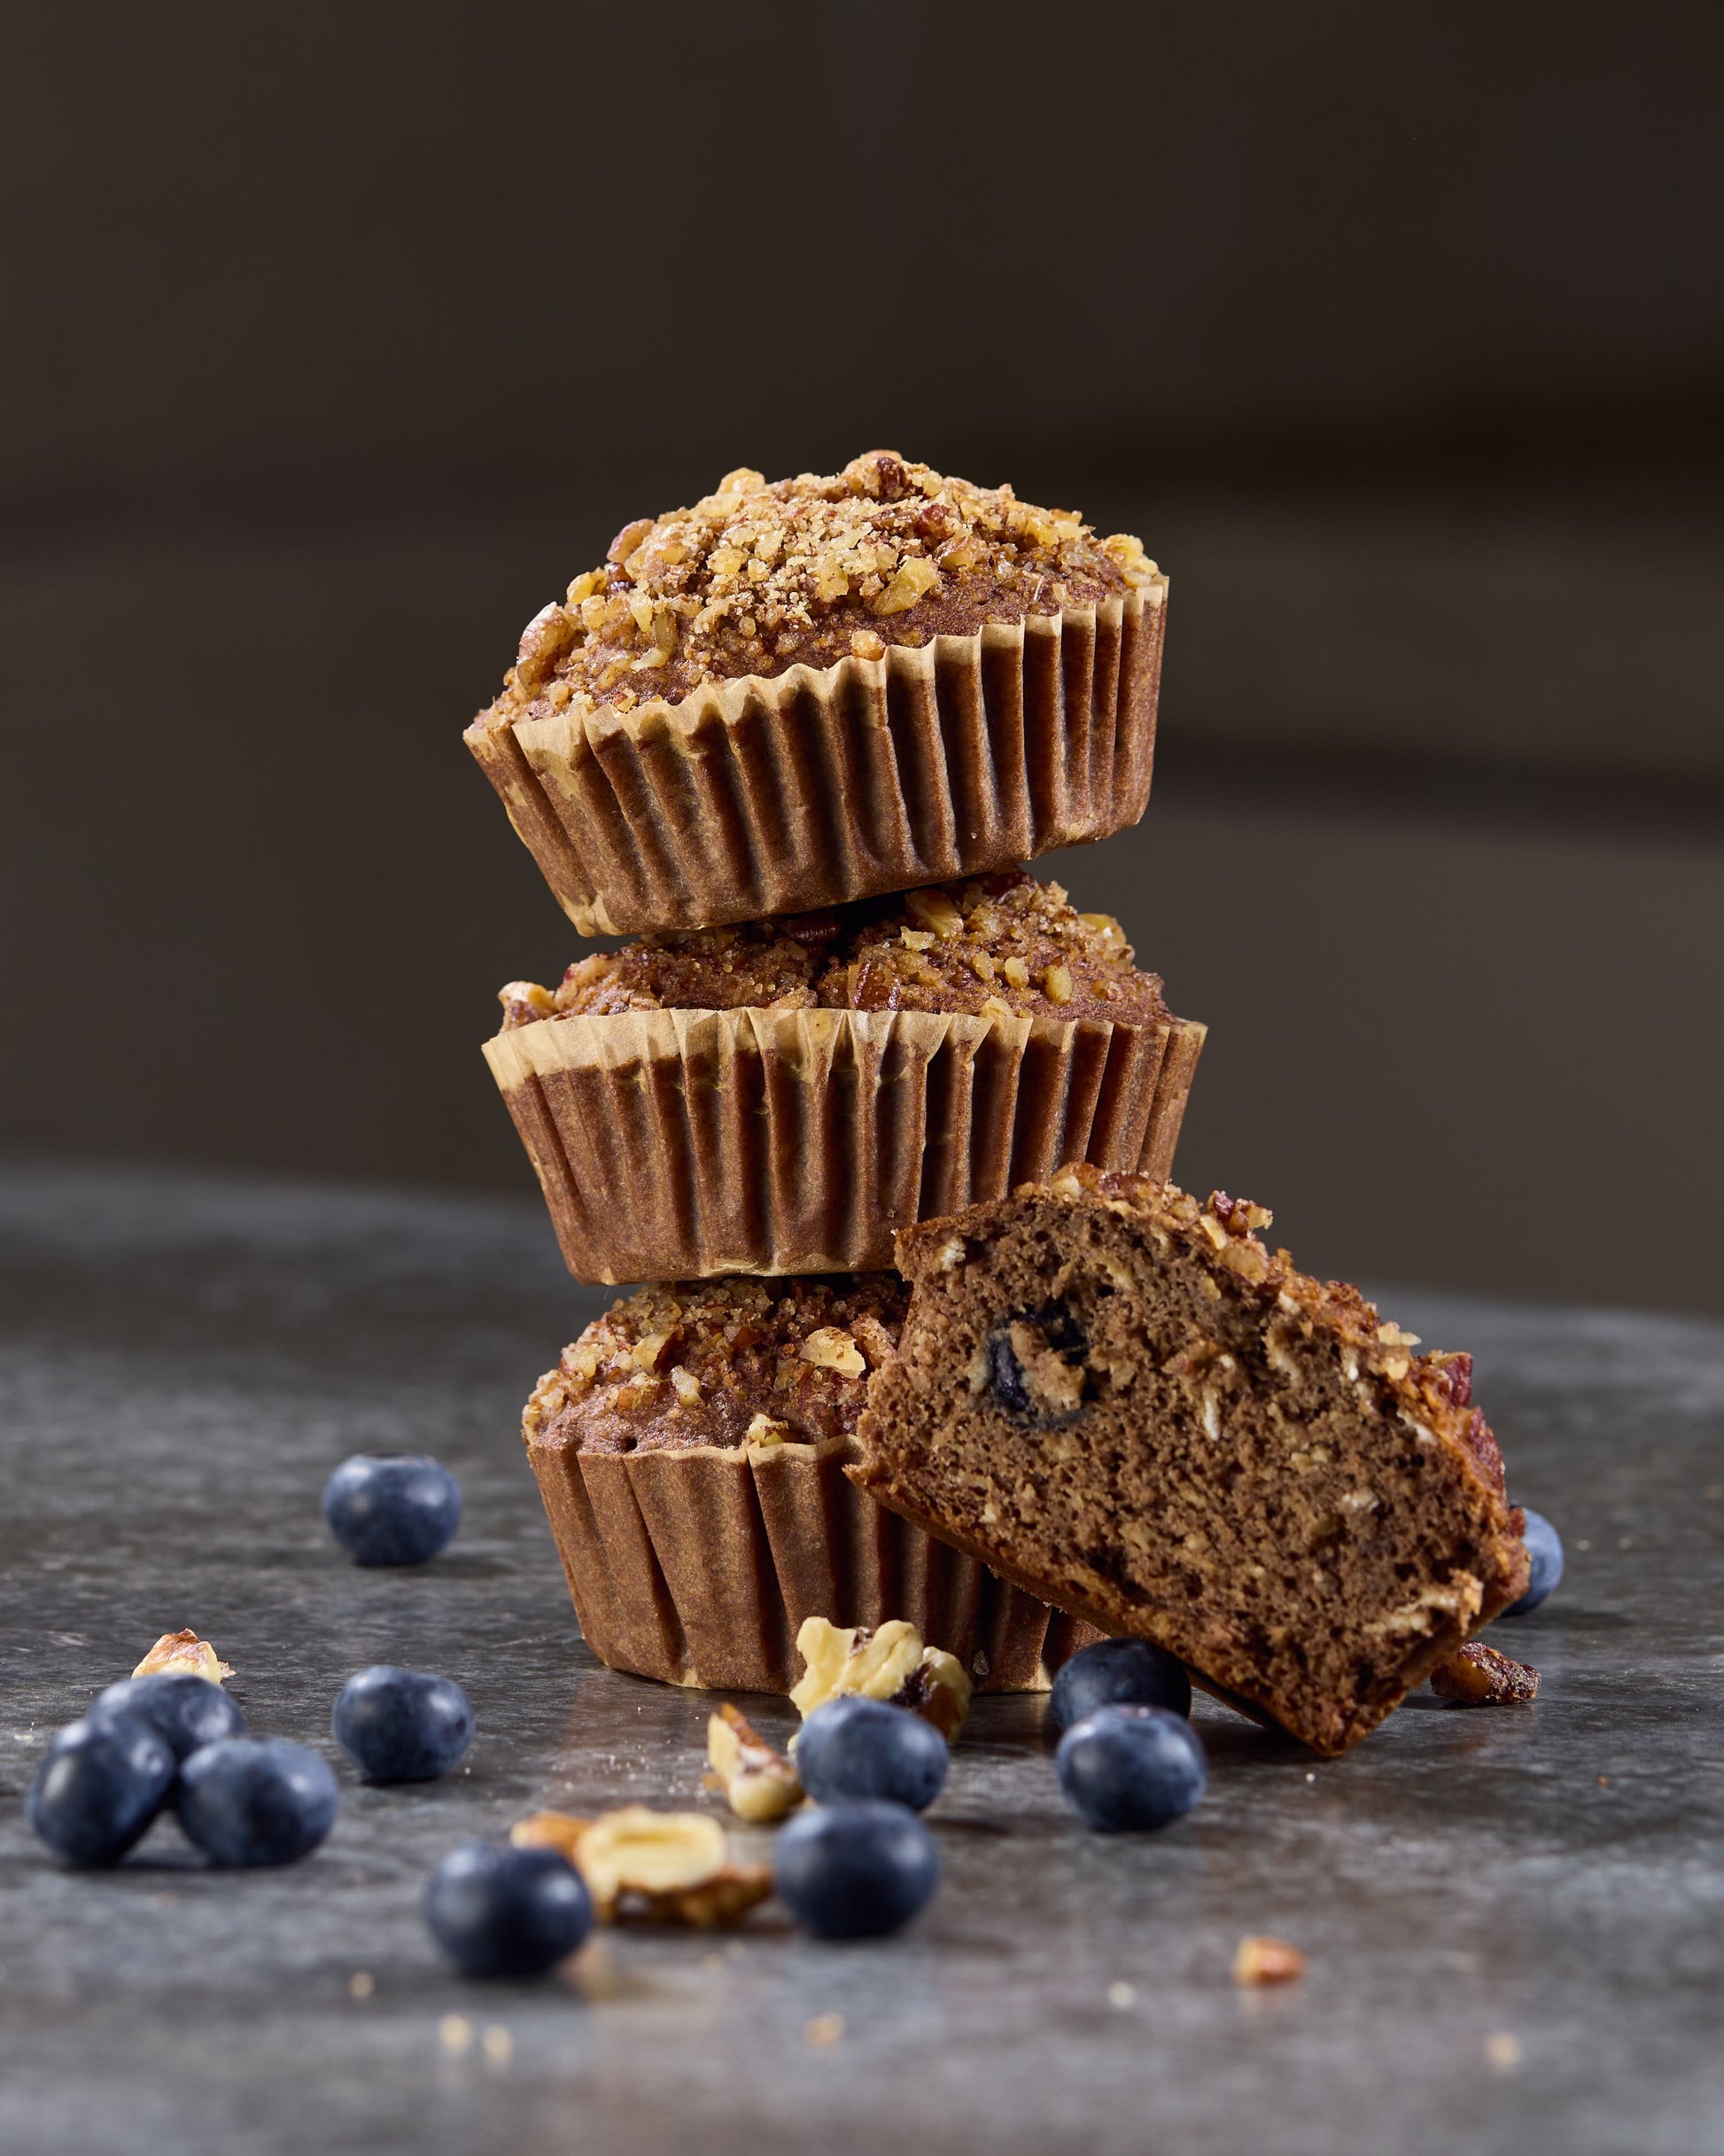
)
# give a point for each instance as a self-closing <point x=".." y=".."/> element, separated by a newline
<point x="760" y="796"/>
<point x="698" y="1566"/>
<point x="677" y="1145"/>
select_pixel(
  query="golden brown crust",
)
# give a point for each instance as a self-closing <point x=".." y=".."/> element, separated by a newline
<point x="805" y="571"/>
<point x="1005" y="945"/>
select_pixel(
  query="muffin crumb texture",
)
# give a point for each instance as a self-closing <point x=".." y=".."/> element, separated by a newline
<point x="756" y="578"/>
<point x="1003" y="945"/>
<point x="728" y="1362"/>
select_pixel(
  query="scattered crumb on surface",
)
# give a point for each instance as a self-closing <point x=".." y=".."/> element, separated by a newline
<point x="455" y="2033"/>
<point x="1119" y="1996"/>
<point x="1502" y="2051"/>
<point x="1478" y="1676"/>
<point x="497" y="2044"/>
<point x="1260" y="1959"/>
<point x="361" y="1984"/>
<point x="823" y="2030"/>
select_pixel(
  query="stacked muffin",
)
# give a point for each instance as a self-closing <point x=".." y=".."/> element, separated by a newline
<point x="798" y="742"/>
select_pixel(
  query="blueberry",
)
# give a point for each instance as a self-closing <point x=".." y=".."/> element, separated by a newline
<point x="401" y="1725"/>
<point x="184" y="1711"/>
<point x="256" y="1801"/>
<point x="101" y="1783"/>
<point x="1057" y="1345"/>
<point x="1118" y="1673"/>
<point x="857" y="1747"/>
<point x="499" y="1911"/>
<point x="855" y="1869"/>
<point x="1544" y="1546"/>
<point x="1131" y="1767"/>
<point x="392" y="1508"/>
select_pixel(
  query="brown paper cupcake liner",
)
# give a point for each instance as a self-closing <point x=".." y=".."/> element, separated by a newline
<point x="959" y="757"/>
<point x="697" y="1567"/>
<point x="676" y="1145"/>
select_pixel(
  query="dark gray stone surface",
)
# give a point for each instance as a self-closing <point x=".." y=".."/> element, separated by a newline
<point x="1513" y="1917"/>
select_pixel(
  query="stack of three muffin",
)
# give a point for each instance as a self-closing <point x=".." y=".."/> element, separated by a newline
<point x="798" y="742"/>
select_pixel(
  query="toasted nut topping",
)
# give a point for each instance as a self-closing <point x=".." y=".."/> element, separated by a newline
<point x="647" y="1353"/>
<point x="915" y="577"/>
<point x="1480" y="1676"/>
<point x="183" y="1654"/>
<point x="523" y="1001"/>
<point x="686" y="1386"/>
<point x="1057" y="981"/>
<point x="831" y="1347"/>
<point x="890" y="1664"/>
<point x="936" y="911"/>
<point x="759" y="1784"/>
<point x="1264" y="1960"/>
<point x="668" y="1867"/>
<point x="765" y="1430"/>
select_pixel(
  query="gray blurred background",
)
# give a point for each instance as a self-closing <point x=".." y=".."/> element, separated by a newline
<point x="335" y="340"/>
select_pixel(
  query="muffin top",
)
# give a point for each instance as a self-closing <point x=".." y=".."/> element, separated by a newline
<point x="756" y="578"/>
<point x="726" y="1362"/>
<point x="995" y="947"/>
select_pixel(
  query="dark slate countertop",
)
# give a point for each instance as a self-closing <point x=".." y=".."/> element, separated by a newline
<point x="1514" y="1919"/>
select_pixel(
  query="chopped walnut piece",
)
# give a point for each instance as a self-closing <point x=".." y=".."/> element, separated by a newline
<point x="830" y="1347"/>
<point x="1260" y="1959"/>
<point x="759" y="1784"/>
<point x="1479" y="1677"/>
<point x="889" y="1663"/>
<point x="666" y="1867"/>
<point x="183" y="1654"/>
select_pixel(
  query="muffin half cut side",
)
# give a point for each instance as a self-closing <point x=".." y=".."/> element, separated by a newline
<point x="690" y="1449"/>
<point x="1123" y="1401"/>
<point x="797" y="695"/>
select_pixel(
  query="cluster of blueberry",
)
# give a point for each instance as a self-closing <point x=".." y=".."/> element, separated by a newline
<point x="857" y="1861"/>
<point x="177" y="1741"/>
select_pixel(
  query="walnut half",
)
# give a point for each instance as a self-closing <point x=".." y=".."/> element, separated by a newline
<point x="889" y="1663"/>
<point x="659" y="1867"/>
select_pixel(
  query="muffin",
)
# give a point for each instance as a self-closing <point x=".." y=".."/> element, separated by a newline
<point x="783" y="1096"/>
<point x="690" y="1449"/>
<point x="793" y="696"/>
<point x="1124" y="1403"/>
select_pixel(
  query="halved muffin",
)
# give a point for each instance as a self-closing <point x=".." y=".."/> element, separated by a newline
<point x="1123" y="1401"/>
<point x="795" y="695"/>
<point x="784" y="1096"/>
<point x="690" y="1449"/>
